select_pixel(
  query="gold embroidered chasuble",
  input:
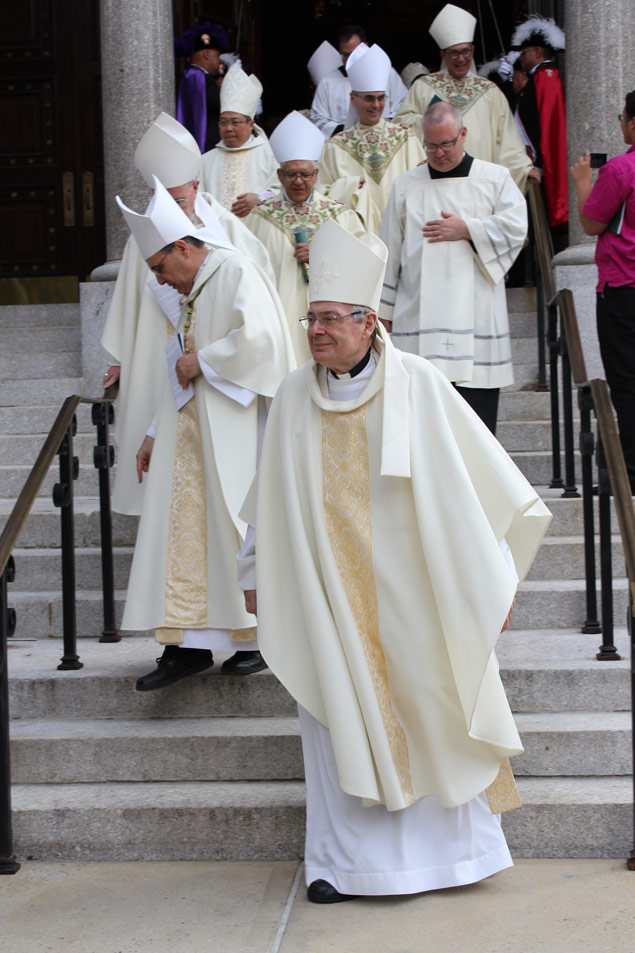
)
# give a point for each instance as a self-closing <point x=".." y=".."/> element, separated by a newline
<point x="377" y="154"/>
<point x="204" y="458"/>
<point x="374" y="611"/>
<point x="492" y="133"/>
<point x="274" y="223"/>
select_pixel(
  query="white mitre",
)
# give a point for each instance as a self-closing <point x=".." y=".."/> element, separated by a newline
<point x="324" y="60"/>
<point x="370" y="71"/>
<point x="169" y="151"/>
<point x="359" y="50"/>
<point x="164" y="222"/>
<point x="296" y="137"/>
<point x="346" y="269"/>
<point x="452" y="26"/>
<point x="240" y="93"/>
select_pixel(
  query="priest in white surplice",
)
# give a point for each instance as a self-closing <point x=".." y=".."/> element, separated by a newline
<point x="492" y="133"/>
<point x="390" y="531"/>
<point x="230" y="351"/>
<point x="359" y="165"/>
<point x="285" y="223"/>
<point x="453" y="228"/>
<point x="141" y="312"/>
<point x="240" y="171"/>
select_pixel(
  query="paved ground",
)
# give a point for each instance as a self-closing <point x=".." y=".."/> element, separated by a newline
<point x="555" y="906"/>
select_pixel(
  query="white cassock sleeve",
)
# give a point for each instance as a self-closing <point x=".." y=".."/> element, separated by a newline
<point x="498" y="238"/>
<point x="391" y="233"/>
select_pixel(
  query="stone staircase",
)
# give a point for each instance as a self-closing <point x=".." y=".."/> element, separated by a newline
<point x="211" y="768"/>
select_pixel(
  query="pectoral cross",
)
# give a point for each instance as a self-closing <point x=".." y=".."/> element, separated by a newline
<point x="320" y="277"/>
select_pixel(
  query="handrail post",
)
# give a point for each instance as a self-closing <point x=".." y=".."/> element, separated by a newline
<point x="554" y="353"/>
<point x="607" y="651"/>
<point x="587" y="449"/>
<point x="570" y="488"/>
<point x="63" y="498"/>
<point x="103" y="416"/>
<point x="8" y="863"/>
<point x="540" y="329"/>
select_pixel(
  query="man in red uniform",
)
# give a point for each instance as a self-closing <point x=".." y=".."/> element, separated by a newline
<point x="541" y="110"/>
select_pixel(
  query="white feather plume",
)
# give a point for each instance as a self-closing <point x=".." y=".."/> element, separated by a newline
<point x="548" y="28"/>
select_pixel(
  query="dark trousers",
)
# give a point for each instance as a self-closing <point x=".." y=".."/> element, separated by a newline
<point x="616" y="333"/>
<point x="484" y="402"/>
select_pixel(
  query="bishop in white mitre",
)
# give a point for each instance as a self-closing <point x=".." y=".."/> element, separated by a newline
<point x="142" y="313"/>
<point x="492" y="133"/>
<point x="240" y="171"/>
<point x="227" y="354"/>
<point x="360" y="164"/>
<point x="390" y="532"/>
<point x="286" y="223"/>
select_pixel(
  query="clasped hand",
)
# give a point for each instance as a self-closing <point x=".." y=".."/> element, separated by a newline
<point x="450" y="228"/>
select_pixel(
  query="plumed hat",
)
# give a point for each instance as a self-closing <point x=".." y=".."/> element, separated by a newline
<point x="168" y="151"/>
<point x="538" y="31"/>
<point x="370" y="71"/>
<point x="452" y="26"/>
<point x="345" y="268"/>
<point x="240" y="93"/>
<point x="413" y="71"/>
<point x="210" y="36"/>
<point x="324" y="60"/>
<point x="296" y="137"/>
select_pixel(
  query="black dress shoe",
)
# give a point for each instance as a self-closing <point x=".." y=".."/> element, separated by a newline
<point x="243" y="663"/>
<point x="174" y="664"/>
<point x="320" y="891"/>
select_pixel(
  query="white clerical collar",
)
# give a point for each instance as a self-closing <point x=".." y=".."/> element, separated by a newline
<point x="345" y="387"/>
<point x="196" y="66"/>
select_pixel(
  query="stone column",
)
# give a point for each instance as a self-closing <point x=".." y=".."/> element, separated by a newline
<point x="600" y="50"/>
<point x="137" y="83"/>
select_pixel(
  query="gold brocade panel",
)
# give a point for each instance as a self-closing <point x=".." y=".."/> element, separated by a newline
<point x="234" y="180"/>
<point x="187" y="557"/>
<point x="346" y="501"/>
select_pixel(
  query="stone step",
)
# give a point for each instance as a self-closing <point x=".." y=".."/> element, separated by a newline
<point x="36" y="366"/>
<point x="41" y="341"/>
<point x="13" y="478"/>
<point x="44" y="392"/>
<point x="536" y="466"/>
<point x="580" y="743"/>
<point x="557" y="670"/>
<point x="269" y="749"/>
<point x="561" y="603"/>
<point x="42" y="528"/>
<point x="567" y="512"/>
<point x="525" y="376"/>
<point x="518" y="435"/>
<point x="525" y="351"/>
<point x="524" y="405"/>
<point x="520" y="300"/>
<point x="36" y="419"/>
<point x="160" y="749"/>
<point x="543" y="671"/>
<point x="523" y="324"/>
<point x="22" y="450"/>
<point x="204" y="820"/>
<point x="40" y="569"/>
<point x="39" y="614"/>
<point x="572" y="817"/>
<point x="40" y="316"/>
<point x="562" y="557"/>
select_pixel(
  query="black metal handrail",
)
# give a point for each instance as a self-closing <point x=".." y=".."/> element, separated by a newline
<point x="58" y="442"/>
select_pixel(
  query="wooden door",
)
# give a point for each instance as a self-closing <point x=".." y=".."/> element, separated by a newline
<point x="52" y="230"/>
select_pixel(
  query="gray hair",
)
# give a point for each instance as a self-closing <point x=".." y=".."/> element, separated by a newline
<point x="315" y="164"/>
<point x="363" y="311"/>
<point x="439" y="112"/>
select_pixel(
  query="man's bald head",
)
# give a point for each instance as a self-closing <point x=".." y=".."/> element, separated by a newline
<point x="439" y="113"/>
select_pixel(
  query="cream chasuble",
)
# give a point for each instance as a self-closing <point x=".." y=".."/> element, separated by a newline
<point x="377" y="154"/>
<point x="274" y="223"/>
<point x="447" y="299"/>
<point x="492" y="133"/>
<point x="135" y="335"/>
<point x="205" y="456"/>
<point x="228" y="173"/>
<point x="381" y="596"/>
